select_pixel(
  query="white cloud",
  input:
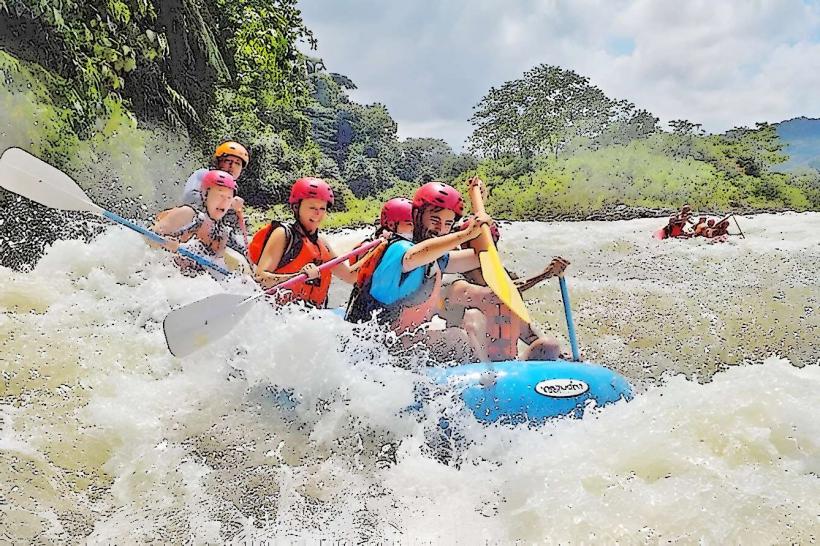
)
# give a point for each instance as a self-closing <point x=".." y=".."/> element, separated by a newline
<point x="718" y="63"/>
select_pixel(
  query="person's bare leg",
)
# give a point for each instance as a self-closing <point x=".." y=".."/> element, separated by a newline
<point x="543" y="348"/>
<point x="475" y="325"/>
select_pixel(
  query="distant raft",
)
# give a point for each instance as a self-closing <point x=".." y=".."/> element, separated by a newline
<point x="514" y="392"/>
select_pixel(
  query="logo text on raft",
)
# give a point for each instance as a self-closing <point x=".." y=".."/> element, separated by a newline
<point x="561" y="388"/>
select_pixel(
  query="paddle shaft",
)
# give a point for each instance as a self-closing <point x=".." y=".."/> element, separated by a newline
<point x="161" y="240"/>
<point x="293" y="281"/>
<point x="532" y="281"/>
<point x="738" y="226"/>
<point x="568" y="314"/>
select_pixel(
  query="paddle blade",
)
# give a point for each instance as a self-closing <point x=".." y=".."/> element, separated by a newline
<point x="500" y="283"/>
<point x="33" y="178"/>
<point x="193" y="326"/>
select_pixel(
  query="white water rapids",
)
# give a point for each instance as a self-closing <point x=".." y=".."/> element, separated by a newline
<point x="106" y="438"/>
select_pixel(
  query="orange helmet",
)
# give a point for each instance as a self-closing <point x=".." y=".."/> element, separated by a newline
<point x="232" y="148"/>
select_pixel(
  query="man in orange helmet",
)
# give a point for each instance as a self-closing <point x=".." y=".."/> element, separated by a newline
<point x="230" y="157"/>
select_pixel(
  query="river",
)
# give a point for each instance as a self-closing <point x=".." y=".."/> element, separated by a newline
<point x="107" y="438"/>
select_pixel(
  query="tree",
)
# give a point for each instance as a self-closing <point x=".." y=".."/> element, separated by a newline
<point x="754" y="150"/>
<point x="539" y="113"/>
<point x="422" y="155"/>
<point x="455" y="165"/>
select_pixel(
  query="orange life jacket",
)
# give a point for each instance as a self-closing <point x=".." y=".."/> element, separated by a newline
<point x="300" y="250"/>
<point x="369" y="263"/>
<point x="259" y="240"/>
<point x="311" y="291"/>
<point x="675" y="230"/>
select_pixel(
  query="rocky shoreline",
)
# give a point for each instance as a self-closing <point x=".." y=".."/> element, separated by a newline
<point x="611" y="213"/>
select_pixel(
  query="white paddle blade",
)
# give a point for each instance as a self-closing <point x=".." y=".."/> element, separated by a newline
<point x="33" y="178"/>
<point x="193" y="326"/>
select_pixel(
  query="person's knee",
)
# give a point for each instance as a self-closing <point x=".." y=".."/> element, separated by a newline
<point x="474" y="321"/>
<point x="543" y="349"/>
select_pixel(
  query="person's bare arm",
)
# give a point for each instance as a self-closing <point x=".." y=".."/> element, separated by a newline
<point x="269" y="260"/>
<point x="343" y="270"/>
<point x="172" y="222"/>
<point x="556" y="267"/>
<point x="462" y="261"/>
<point x="427" y="252"/>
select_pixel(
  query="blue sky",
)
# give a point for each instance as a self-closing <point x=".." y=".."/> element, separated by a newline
<point x="722" y="64"/>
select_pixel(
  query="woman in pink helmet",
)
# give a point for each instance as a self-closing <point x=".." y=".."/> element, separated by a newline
<point x="203" y="232"/>
<point x="283" y="250"/>
<point x="404" y="289"/>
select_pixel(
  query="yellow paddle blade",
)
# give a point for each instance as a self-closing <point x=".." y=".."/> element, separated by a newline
<point x="500" y="283"/>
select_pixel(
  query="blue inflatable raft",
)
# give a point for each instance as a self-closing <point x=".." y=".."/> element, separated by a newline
<point x="516" y="392"/>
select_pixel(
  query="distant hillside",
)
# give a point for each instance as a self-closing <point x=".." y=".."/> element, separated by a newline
<point x="802" y="138"/>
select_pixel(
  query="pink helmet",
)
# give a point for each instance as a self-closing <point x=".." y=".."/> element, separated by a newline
<point x="439" y="195"/>
<point x="397" y="210"/>
<point x="310" y="188"/>
<point x="217" y="178"/>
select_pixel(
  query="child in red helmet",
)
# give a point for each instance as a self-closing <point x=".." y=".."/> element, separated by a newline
<point x="395" y="220"/>
<point x="230" y="157"/>
<point x="204" y="232"/>
<point x="397" y="217"/>
<point x="284" y="250"/>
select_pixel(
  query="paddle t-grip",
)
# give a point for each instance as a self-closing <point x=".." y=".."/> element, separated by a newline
<point x="485" y="239"/>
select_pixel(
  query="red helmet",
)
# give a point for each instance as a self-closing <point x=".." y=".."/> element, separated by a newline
<point x="439" y="195"/>
<point x="310" y="188"/>
<point x="397" y="210"/>
<point x="234" y="149"/>
<point x="217" y="178"/>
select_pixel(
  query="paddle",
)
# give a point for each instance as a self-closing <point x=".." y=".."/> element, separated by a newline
<point x="193" y="326"/>
<point x="568" y="314"/>
<point x="244" y="229"/>
<point x="33" y="178"/>
<point x="492" y="270"/>
<point x="738" y="226"/>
